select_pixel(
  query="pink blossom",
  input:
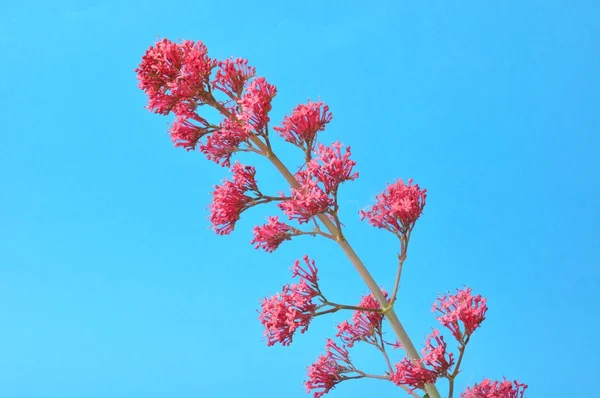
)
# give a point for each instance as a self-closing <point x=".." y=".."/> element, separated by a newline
<point x="328" y="370"/>
<point x="306" y="201"/>
<point x="397" y="208"/>
<point x="269" y="236"/>
<point x="461" y="307"/>
<point x="331" y="168"/>
<point x="293" y="308"/>
<point x="185" y="133"/>
<point x="173" y="72"/>
<point x="495" y="389"/>
<point x="319" y="182"/>
<point x="224" y="142"/>
<point x="286" y="312"/>
<point x="365" y="325"/>
<point x="309" y="273"/>
<point x="436" y="356"/>
<point x="232" y="75"/>
<point x="230" y="199"/>
<point x="301" y="127"/>
<point x="412" y="374"/>
<point x="244" y="176"/>
<point x="256" y="104"/>
<point x="435" y="363"/>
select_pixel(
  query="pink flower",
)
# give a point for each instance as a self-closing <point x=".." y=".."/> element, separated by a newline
<point x="365" y="325"/>
<point x="412" y="374"/>
<point x="461" y="307"/>
<point x="185" y="133"/>
<point x="256" y="104"/>
<point x="306" y="201"/>
<point x="436" y="356"/>
<point x="230" y="199"/>
<point x="309" y="274"/>
<point x="331" y="168"/>
<point x="243" y="176"/>
<point x="269" y="236"/>
<point x="301" y="127"/>
<point x="435" y="363"/>
<point x="224" y="142"/>
<point x="293" y="308"/>
<point x="328" y="370"/>
<point x="286" y="312"/>
<point x="496" y="389"/>
<point x="232" y="75"/>
<point x="397" y="208"/>
<point x="172" y="72"/>
<point x="319" y="182"/>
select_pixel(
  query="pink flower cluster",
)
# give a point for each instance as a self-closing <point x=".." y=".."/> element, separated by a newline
<point x="328" y="370"/>
<point x="171" y="73"/>
<point x="224" y="141"/>
<point x="435" y="363"/>
<point x="397" y="208"/>
<point x="364" y="325"/>
<point x="232" y="76"/>
<point x="256" y="104"/>
<point x="319" y="183"/>
<point x="188" y="128"/>
<point x="177" y="78"/>
<point x="496" y="389"/>
<point x="461" y="308"/>
<point x="301" y="127"/>
<point x="293" y="308"/>
<point x="269" y="236"/>
<point x="230" y="198"/>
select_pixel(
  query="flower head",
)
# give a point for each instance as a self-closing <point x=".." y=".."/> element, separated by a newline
<point x="308" y="273"/>
<point x="365" y="325"/>
<point x="328" y="370"/>
<point x="435" y="354"/>
<point x="232" y="76"/>
<point x="230" y="198"/>
<point x="188" y="128"/>
<point x="397" y="208"/>
<point x="461" y="308"/>
<point x="435" y="363"/>
<point x="173" y="72"/>
<point x="285" y="312"/>
<point x="293" y="308"/>
<point x="495" y="389"/>
<point x="256" y="104"/>
<point x="301" y="127"/>
<point x="331" y="168"/>
<point x="269" y="236"/>
<point x="224" y="142"/>
<point x="319" y="183"/>
<point x="306" y="201"/>
<point x="411" y="373"/>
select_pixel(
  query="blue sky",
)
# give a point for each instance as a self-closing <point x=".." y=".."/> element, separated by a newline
<point x="112" y="285"/>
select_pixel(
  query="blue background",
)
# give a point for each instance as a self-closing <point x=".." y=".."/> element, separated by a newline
<point x="112" y="284"/>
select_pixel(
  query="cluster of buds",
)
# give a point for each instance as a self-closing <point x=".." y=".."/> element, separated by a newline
<point x="182" y="79"/>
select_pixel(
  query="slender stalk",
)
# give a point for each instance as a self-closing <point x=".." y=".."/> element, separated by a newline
<point x="401" y="259"/>
<point x="461" y="354"/>
<point x="389" y="312"/>
<point x="388" y="309"/>
<point x="352" y="307"/>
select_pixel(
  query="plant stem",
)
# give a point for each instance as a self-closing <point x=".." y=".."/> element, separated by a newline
<point x="388" y="309"/>
<point x="389" y="312"/>
<point x="461" y="354"/>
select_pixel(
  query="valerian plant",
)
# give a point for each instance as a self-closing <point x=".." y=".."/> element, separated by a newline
<point x="180" y="78"/>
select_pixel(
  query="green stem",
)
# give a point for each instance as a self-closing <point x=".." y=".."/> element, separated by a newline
<point x="388" y="309"/>
<point x="389" y="312"/>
